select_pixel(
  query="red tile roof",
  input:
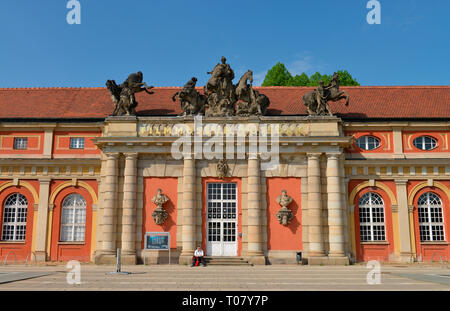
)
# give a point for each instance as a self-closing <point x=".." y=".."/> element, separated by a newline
<point x="365" y="102"/>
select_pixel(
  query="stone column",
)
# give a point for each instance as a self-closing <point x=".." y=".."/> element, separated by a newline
<point x="254" y="237"/>
<point x="108" y="252"/>
<point x="188" y="234"/>
<point x="403" y="220"/>
<point x="129" y="210"/>
<point x="316" y="248"/>
<point x="335" y="208"/>
<point x="42" y="220"/>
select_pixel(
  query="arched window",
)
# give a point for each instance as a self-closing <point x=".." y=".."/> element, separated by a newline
<point x="73" y="218"/>
<point x="14" y="218"/>
<point x="431" y="223"/>
<point x="371" y="218"/>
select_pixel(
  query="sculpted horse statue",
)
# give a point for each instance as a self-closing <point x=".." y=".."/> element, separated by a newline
<point x="192" y="102"/>
<point x="251" y="102"/>
<point x="322" y="108"/>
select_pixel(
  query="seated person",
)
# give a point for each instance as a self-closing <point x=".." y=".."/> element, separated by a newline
<point x="198" y="257"/>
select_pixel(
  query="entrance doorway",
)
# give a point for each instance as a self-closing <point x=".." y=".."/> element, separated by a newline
<point x="221" y="226"/>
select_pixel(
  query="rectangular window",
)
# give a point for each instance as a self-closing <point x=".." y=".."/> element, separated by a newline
<point x="77" y="143"/>
<point x="20" y="143"/>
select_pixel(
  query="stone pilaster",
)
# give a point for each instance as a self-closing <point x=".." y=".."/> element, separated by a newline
<point x="403" y="221"/>
<point x="129" y="210"/>
<point x="336" y="228"/>
<point x="42" y="220"/>
<point x="189" y="204"/>
<point x="316" y="248"/>
<point x="108" y="252"/>
<point x="255" y="247"/>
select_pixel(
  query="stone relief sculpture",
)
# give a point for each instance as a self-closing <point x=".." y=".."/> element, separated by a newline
<point x="222" y="169"/>
<point x="316" y="101"/>
<point x="159" y="214"/>
<point x="192" y="102"/>
<point x="284" y="215"/>
<point x="123" y="95"/>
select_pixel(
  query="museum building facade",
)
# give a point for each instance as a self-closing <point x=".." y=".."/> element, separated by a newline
<point x="370" y="182"/>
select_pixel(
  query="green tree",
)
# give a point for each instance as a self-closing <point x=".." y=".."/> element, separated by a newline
<point x="314" y="79"/>
<point x="278" y="75"/>
<point x="300" y="80"/>
<point x="346" y="78"/>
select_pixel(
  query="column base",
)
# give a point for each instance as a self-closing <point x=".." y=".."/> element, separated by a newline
<point x="256" y="259"/>
<point x="330" y="261"/>
<point x="105" y="258"/>
<point x="128" y="259"/>
<point x="406" y="257"/>
<point x="185" y="258"/>
<point x="40" y="256"/>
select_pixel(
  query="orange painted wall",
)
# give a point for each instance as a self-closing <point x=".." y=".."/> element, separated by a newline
<point x="74" y="251"/>
<point x="442" y="138"/>
<point x="386" y="141"/>
<point x="35" y="144"/>
<point x="427" y="250"/>
<point x="21" y="250"/>
<point x="239" y="206"/>
<point x="281" y="237"/>
<point x="169" y="186"/>
<point x="374" y="251"/>
<point x="61" y="143"/>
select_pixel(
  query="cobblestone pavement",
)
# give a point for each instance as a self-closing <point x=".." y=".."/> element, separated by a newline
<point x="229" y="278"/>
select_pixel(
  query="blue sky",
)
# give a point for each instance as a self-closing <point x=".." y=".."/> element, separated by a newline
<point x="172" y="40"/>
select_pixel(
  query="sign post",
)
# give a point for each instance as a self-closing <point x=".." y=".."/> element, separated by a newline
<point x="157" y="241"/>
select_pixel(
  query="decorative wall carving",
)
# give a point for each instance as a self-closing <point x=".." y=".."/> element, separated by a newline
<point x="222" y="169"/>
<point x="159" y="214"/>
<point x="284" y="215"/>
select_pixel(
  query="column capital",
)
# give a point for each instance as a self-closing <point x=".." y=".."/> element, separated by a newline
<point x="333" y="155"/>
<point x="114" y="155"/>
<point x="131" y="155"/>
<point x="401" y="182"/>
<point x="394" y="208"/>
<point x="45" y="180"/>
<point x="315" y="155"/>
<point x="410" y="208"/>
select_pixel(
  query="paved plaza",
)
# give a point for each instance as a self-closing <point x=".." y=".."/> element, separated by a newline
<point x="226" y="278"/>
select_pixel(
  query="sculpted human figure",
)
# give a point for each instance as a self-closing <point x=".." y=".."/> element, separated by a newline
<point x="284" y="215"/>
<point x="192" y="102"/>
<point x="160" y="199"/>
<point x="322" y="94"/>
<point x="221" y="78"/>
<point x="159" y="214"/>
<point x="284" y="200"/>
<point x="123" y="95"/>
<point x="316" y="101"/>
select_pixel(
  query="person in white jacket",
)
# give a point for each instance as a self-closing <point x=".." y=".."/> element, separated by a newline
<point x="198" y="257"/>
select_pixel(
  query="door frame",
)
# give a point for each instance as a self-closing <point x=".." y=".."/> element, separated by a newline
<point x="236" y="180"/>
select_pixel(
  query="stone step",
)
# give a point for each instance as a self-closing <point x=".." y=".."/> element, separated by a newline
<point x="226" y="261"/>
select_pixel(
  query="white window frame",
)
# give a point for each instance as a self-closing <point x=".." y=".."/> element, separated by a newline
<point x="363" y="142"/>
<point x="15" y="224"/>
<point x="371" y="224"/>
<point x="430" y="224"/>
<point x="20" y="143"/>
<point x="77" y="142"/>
<point x="422" y="144"/>
<point x="72" y="209"/>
